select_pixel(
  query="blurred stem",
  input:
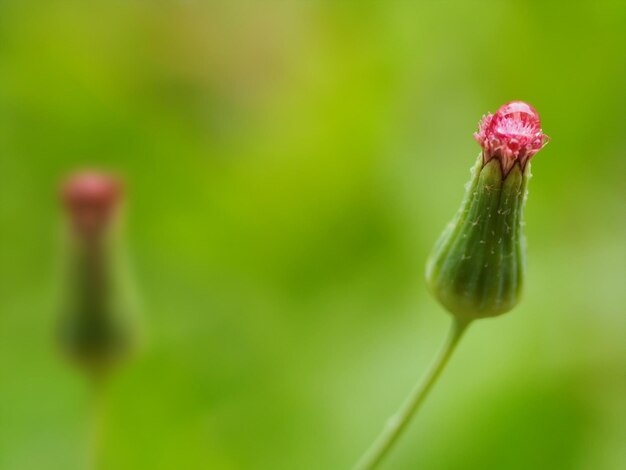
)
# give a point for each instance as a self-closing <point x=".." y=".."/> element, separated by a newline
<point x="398" y="423"/>
<point x="97" y="421"/>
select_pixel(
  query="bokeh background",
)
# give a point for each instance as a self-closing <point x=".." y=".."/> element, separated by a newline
<point x="289" y="165"/>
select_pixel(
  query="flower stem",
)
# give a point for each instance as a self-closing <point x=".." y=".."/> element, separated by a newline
<point x="397" y="424"/>
<point x="97" y="423"/>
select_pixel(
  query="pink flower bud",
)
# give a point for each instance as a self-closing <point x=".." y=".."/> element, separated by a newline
<point x="91" y="199"/>
<point x="97" y="328"/>
<point x="511" y="135"/>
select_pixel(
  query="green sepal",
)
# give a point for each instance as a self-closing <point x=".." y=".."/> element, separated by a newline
<point x="98" y="327"/>
<point x="476" y="269"/>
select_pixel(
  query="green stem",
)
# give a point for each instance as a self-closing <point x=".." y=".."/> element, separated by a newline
<point x="97" y="424"/>
<point x="397" y="424"/>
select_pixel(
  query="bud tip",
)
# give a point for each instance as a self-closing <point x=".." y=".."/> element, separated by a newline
<point x="91" y="198"/>
<point x="513" y="134"/>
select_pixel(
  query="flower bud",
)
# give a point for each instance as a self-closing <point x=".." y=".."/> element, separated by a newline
<point x="96" y="327"/>
<point x="91" y="199"/>
<point x="476" y="268"/>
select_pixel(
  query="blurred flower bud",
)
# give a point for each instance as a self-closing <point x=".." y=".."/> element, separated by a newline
<point x="91" y="199"/>
<point x="476" y="269"/>
<point x="96" y="326"/>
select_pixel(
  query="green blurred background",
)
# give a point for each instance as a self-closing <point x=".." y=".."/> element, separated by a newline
<point x="290" y="165"/>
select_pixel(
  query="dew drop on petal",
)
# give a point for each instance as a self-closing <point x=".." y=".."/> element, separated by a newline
<point x="519" y="110"/>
